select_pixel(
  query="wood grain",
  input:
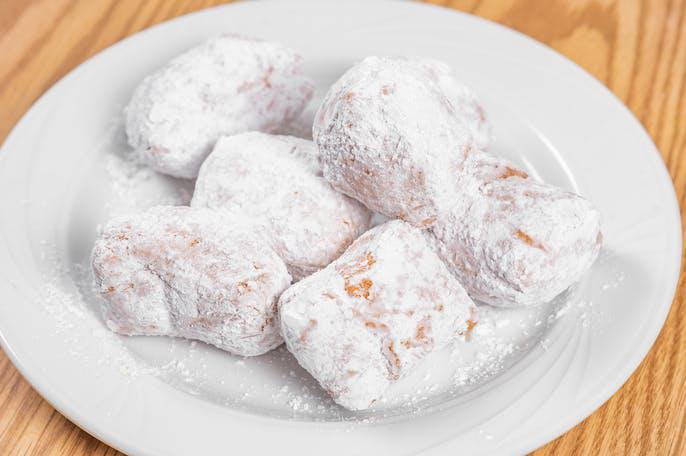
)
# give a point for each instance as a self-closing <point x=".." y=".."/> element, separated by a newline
<point x="636" y="47"/>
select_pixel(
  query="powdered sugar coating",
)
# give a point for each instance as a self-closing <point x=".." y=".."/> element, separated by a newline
<point x="512" y="241"/>
<point x="365" y="320"/>
<point x="276" y="181"/>
<point x="187" y="272"/>
<point x="467" y="107"/>
<point x="228" y="85"/>
<point x="390" y="136"/>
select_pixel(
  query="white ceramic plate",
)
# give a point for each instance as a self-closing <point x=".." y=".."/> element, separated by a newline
<point x="526" y="377"/>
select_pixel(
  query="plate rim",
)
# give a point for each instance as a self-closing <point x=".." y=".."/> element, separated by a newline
<point x="598" y="398"/>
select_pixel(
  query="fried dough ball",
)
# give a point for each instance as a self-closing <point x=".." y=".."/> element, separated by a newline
<point x="276" y="181"/>
<point x="367" y="319"/>
<point x="389" y="136"/>
<point x="187" y="272"/>
<point x="513" y="241"/>
<point x="228" y="85"/>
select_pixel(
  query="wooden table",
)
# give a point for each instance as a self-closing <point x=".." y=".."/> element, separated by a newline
<point x="636" y="47"/>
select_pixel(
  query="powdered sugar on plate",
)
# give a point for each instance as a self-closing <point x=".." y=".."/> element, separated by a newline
<point x="128" y="178"/>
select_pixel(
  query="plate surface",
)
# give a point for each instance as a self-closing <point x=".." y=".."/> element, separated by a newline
<point x="527" y="376"/>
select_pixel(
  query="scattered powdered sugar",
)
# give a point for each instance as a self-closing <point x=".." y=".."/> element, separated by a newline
<point x="501" y="337"/>
<point x="63" y="307"/>
<point x="490" y="356"/>
<point x="128" y="178"/>
<point x="123" y="169"/>
<point x="499" y="340"/>
<point x="125" y="174"/>
<point x="73" y="317"/>
<point x="614" y="275"/>
<point x="75" y="308"/>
